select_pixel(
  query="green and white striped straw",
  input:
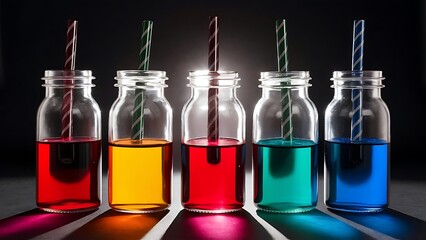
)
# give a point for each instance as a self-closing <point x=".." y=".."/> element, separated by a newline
<point x="137" y="132"/>
<point x="286" y="122"/>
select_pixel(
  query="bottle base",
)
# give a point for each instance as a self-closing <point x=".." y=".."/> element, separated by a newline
<point x="355" y="209"/>
<point x="286" y="210"/>
<point x="138" y="208"/>
<point x="52" y="210"/>
<point x="212" y="208"/>
<point x="215" y="211"/>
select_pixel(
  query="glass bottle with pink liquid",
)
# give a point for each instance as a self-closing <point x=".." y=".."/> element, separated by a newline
<point x="68" y="144"/>
<point x="213" y="163"/>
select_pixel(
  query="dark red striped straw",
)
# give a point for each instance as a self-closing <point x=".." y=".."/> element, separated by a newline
<point x="213" y="99"/>
<point x="70" y="52"/>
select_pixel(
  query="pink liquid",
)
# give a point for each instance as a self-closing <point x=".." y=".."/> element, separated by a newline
<point x="213" y="175"/>
<point x="68" y="174"/>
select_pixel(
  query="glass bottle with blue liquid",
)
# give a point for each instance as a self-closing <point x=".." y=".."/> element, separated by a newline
<point x="357" y="143"/>
<point x="285" y="144"/>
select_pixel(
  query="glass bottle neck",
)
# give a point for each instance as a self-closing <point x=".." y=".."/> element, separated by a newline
<point x="153" y="92"/>
<point x="223" y="93"/>
<point x="60" y="91"/>
<point x="301" y="92"/>
<point x="344" y="93"/>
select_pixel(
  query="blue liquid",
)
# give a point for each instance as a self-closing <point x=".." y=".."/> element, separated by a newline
<point x="285" y="175"/>
<point x="357" y="174"/>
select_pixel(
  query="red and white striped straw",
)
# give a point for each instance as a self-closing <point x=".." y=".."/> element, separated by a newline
<point x="213" y="99"/>
<point x="70" y="52"/>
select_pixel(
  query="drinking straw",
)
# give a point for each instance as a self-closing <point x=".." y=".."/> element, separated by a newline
<point x="357" y="55"/>
<point x="67" y="102"/>
<point x="137" y="131"/>
<point x="286" y="122"/>
<point x="213" y="99"/>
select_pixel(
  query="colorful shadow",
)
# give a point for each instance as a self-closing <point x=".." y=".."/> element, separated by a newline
<point x="235" y="225"/>
<point x="116" y="225"/>
<point x="390" y="222"/>
<point x="311" y="225"/>
<point x="35" y="222"/>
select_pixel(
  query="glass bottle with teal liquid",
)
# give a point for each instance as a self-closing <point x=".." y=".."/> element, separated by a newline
<point x="357" y="141"/>
<point x="285" y="144"/>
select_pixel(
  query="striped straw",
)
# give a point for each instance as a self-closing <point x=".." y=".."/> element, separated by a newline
<point x="357" y="55"/>
<point x="286" y="122"/>
<point x="67" y="101"/>
<point x="213" y="99"/>
<point x="137" y="131"/>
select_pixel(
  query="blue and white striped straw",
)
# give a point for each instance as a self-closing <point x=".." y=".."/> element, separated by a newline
<point x="357" y="57"/>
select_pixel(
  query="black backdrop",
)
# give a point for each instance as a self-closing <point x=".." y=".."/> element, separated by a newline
<point x="32" y="39"/>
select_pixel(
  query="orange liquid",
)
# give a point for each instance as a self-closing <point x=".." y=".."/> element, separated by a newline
<point x="140" y="175"/>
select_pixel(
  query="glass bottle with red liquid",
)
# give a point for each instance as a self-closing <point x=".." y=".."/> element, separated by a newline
<point x="213" y="169"/>
<point x="68" y="156"/>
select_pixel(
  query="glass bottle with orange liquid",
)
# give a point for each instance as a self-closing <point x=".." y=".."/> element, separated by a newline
<point x="68" y="144"/>
<point x="140" y="162"/>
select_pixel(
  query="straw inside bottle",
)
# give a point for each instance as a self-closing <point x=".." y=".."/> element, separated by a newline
<point x="286" y="111"/>
<point x="213" y="154"/>
<point x="357" y="62"/>
<point x="67" y="101"/>
<point x="137" y="131"/>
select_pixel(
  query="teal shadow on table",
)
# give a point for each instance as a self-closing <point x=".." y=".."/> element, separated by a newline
<point x="116" y="225"/>
<point x="389" y="222"/>
<point x="311" y="225"/>
<point x="35" y="222"/>
<point x="235" y="225"/>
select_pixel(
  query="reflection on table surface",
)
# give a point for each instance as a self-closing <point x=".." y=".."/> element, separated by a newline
<point x="22" y="221"/>
<point x="234" y="225"/>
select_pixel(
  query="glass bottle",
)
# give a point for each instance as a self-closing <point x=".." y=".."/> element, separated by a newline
<point x="140" y="166"/>
<point x="285" y="144"/>
<point x="357" y="166"/>
<point x="213" y="168"/>
<point x="68" y="144"/>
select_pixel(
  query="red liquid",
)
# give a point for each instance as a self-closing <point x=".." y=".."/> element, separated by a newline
<point x="213" y="175"/>
<point x="68" y="174"/>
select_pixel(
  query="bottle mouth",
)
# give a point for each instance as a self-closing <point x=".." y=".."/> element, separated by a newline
<point x="141" y="79"/>
<point x="68" y="78"/>
<point x="213" y="79"/>
<point x="290" y="79"/>
<point x="357" y="79"/>
<point x="141" y="74"/>
<point x="67" y="74"/>
<point x="356" y="74"/>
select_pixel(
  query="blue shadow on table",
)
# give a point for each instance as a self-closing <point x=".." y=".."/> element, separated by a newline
<point x="234" y="225"/>
<point x="311" y="225"/>
<point x="389" y="222"/>
<point x="35" y="222"/>
<point x="116" y="225"/>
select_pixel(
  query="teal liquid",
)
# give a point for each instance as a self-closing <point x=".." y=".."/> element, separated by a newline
<point x="285" y="175"/>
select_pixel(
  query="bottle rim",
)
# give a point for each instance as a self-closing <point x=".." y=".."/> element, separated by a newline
<point x="289" y="74"/>
<point x="141" y="74"/>
<point x="364" y="79"/>
<point x="67" y="74"/>
<point x="363" y="74"/>
<point x="279" y="80"/>
<point x="68" y="78"/>
<point x="213" y="79"/>
<point x="141" y="79"/>
<point x="217" y="75"/>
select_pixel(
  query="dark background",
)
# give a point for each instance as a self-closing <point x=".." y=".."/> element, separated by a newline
<point x="32" y="39"/>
